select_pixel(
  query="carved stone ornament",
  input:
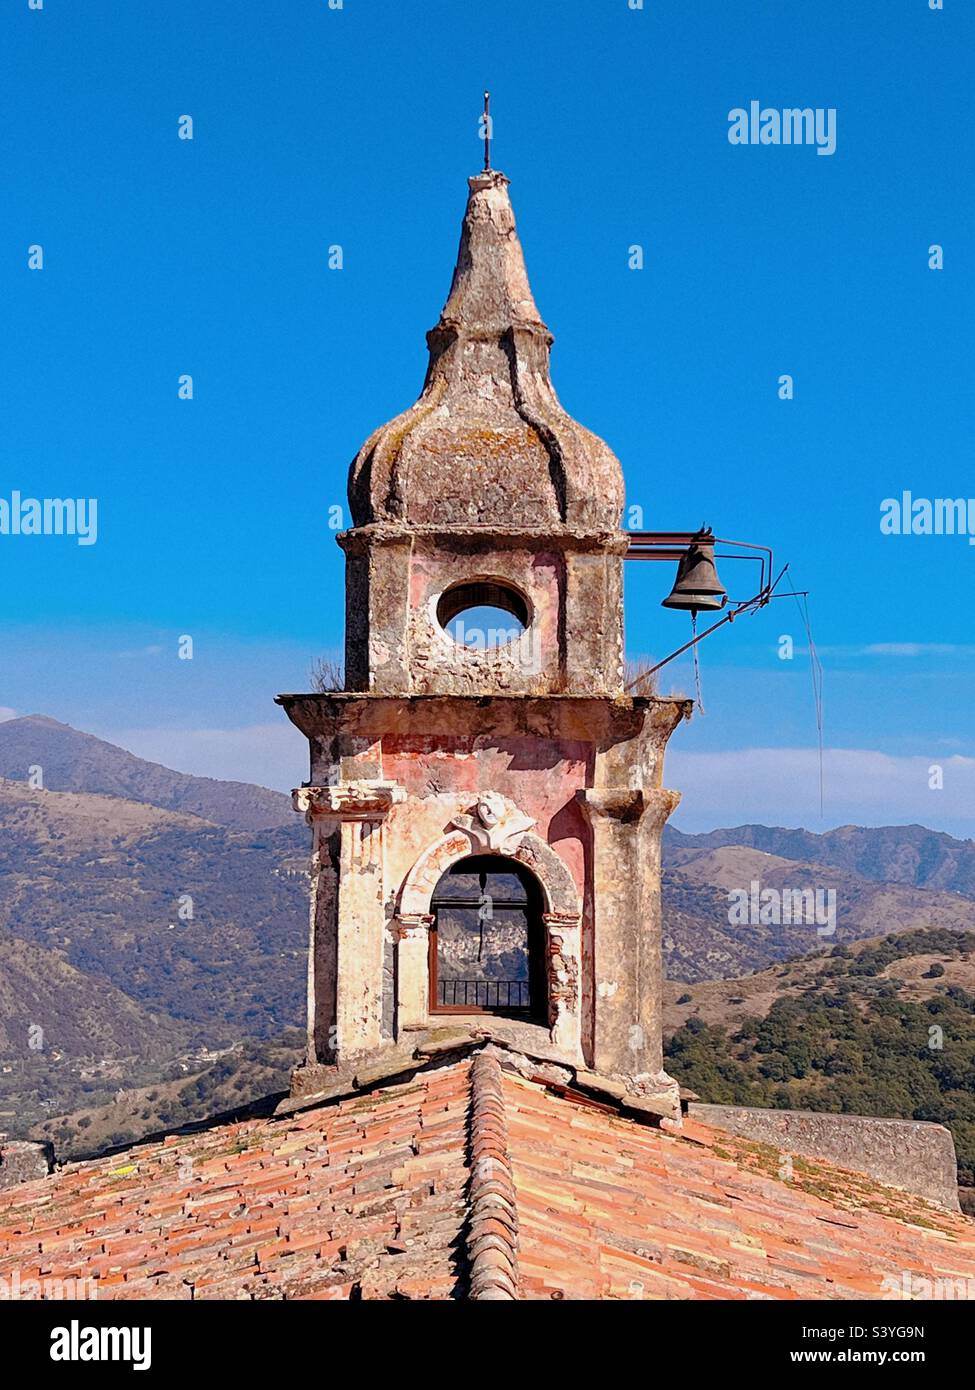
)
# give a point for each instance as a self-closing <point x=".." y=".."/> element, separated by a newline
<point x="412" y="926"/>
<point x="349" y="800"/>
<point x="495" y="823"/>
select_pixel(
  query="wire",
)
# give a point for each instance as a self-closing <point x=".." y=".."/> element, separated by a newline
<point x="816" y="670"/>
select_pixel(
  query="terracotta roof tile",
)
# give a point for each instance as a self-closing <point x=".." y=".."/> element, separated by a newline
<point x="667" y="1217"/>
<point x="467" y="1180"/>
<point x="286" y="1208"/>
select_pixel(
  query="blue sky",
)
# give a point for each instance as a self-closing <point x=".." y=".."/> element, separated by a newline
<point x="357" y="127"/>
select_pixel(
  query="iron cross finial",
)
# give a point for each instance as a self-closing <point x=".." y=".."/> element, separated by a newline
<point x="487" y="131"/>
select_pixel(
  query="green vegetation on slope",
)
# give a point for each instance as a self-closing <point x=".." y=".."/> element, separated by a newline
<point x="852" y="1042"/>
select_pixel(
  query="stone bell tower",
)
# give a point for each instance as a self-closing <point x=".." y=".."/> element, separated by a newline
<point x="486" y="813"/>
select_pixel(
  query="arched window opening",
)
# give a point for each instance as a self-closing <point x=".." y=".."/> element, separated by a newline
<point x="487" y="940"/>
<point x="482" y="614"/>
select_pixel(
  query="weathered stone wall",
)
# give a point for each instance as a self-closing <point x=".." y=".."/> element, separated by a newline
<point x="523" y="665"/>
<point x="911" y="1154"/>
<point x="571" y="583"/>
<point x="21" y="1161"/>
<point x="580" y="779"/>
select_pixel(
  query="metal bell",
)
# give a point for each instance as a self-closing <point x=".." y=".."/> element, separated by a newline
<point x="697" y="587"/>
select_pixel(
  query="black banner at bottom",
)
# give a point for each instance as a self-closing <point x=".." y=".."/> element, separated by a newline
<point x="145" y="1338"/>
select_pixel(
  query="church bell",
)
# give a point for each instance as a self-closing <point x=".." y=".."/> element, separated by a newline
<point x="697" y="587"/>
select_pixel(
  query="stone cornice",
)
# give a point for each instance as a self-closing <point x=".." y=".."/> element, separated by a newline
<point x="601" y="720"/>
<point x="555" y="537"/>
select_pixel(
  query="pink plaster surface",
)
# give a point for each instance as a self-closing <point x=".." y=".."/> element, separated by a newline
<point x="540" y="778"/>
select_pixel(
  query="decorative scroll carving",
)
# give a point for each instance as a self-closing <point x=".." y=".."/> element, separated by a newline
<point x="558" y="886"/>
<point x="562" y="930"/>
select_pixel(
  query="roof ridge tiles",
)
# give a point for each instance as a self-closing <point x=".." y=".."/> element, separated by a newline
<point x="491" y="1248"/>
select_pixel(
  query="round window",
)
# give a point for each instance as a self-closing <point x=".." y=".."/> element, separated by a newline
<point x="483" y="613"/>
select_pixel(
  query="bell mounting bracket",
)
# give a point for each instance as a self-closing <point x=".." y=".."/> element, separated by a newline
<point x="673" y="546"/>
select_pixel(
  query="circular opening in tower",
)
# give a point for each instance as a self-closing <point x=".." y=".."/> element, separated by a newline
<point x="483" y="613"/>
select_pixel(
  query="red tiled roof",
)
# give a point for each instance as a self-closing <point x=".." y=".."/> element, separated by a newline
<point x="366" y="1195"/>
<point x="466" y="1181"/>
<point x="612" y="1209"/>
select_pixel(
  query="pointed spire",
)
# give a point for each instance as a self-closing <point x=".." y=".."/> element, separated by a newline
<point x="488" y="443"/>
<point x="490" y="291"/>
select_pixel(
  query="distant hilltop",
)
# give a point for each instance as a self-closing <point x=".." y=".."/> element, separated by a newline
<point x="72" y="761"/>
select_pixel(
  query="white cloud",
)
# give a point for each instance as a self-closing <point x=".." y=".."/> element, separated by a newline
<point x="154" y="649"/>
<point x="915" y="649"/>
<point x="894" y="649"/>
<point x="780" y="786"/>
<point x="272" y="755"/>
<point x="7" y="713"/>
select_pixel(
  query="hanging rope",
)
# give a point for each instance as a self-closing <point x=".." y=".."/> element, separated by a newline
<point x="484" y="913"/>
<point x="698" y="697"/>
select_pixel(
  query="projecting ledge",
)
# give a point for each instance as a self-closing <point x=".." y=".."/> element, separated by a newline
<point x="628" y="806"/>
<point x="602" y="720"/>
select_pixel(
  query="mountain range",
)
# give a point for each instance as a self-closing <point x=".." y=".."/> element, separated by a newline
<point x="136" y="938"/>
<point x="702" y="943"/>
<point x="907" y="854"/>
<point x="150" y="920"/>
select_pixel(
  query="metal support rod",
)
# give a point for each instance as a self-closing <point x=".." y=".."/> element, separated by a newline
<point x="750" y="605"/>
<point x="728" y="618"/>
<point x="663" y="545"/>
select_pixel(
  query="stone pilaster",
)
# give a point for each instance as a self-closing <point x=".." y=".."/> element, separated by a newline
<point x="412" y="970"/>
<point x="345" y="962"/>
<point x="377" y="610"/>
<point x="627" y="989"/>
